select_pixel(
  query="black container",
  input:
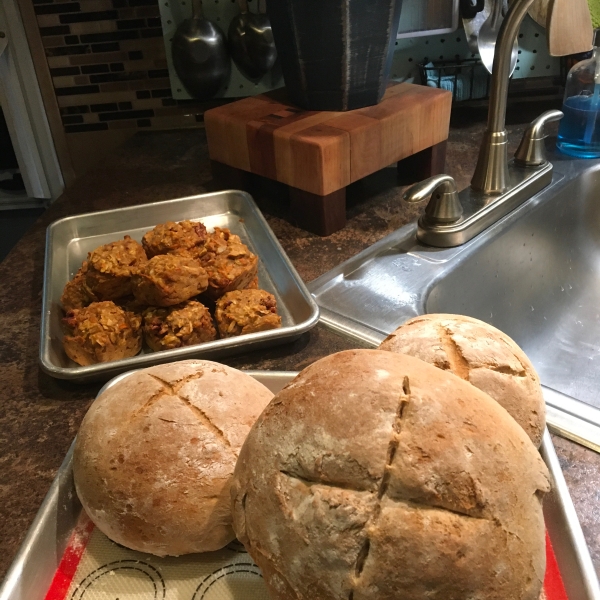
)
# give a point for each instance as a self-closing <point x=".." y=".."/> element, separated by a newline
<point x="335" y="54"/>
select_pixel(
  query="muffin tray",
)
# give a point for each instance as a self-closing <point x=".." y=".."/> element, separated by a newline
<point x="64" y="557"/>
<point x="69" y="240"/>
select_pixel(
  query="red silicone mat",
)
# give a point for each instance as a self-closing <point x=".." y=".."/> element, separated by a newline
<point x="94" y="568"/>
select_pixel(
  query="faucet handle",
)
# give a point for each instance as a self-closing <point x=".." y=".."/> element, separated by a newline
<point x="444" y="207"/>
<point x="531" y="151"/>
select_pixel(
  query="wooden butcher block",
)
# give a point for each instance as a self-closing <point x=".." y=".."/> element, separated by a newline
<point x="319" y="153"/>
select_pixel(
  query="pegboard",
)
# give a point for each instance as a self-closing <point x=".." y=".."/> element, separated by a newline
<point x="534" y="60"/>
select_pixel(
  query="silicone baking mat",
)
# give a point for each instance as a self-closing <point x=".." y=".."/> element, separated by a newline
<point x="94" y="568"/>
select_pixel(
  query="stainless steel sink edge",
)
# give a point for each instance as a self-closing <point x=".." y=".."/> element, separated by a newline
<point x="572" y="419"/>
<point x="426" y="266"/>
<point x="352" y="329"/>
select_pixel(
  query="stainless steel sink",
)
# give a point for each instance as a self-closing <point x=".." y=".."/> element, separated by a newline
<point x="535" y="275"/>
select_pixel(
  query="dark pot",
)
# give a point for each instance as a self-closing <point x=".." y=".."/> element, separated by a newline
<point x="335" y="54"/>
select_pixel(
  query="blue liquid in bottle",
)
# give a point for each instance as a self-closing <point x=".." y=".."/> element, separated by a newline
<point x="579" y="132"/>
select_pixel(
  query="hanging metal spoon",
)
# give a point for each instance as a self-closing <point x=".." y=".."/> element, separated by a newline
<point x="488" y="34"/>
<point x="251" y="42"/>
<point x="200" y="55"/>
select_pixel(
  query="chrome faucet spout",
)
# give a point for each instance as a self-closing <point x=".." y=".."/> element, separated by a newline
<point x="498" y="185"/>
<point x="491" y="174"/>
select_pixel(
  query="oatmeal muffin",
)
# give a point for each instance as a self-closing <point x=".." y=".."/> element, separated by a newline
<point x="76" y="293"/>
<point x="131" y="304"/>
<point x="180" y="325"/>
<point x="170" y="237"/>
<point x="169" y="279"/>
<point x="229" y="263"/>
<point x="111" y="267"/>
<point x="101" y="332"/>
<point x="246" y="311"/>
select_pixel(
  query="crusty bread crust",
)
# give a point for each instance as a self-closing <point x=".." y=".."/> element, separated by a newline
<point x="375" y="476"/>
<point x="155" y="454"/>
<point x="482" y="355"/>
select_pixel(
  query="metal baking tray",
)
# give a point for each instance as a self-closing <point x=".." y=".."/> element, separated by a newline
<point x="36" y="562"/>
<point x="69" y="240"/>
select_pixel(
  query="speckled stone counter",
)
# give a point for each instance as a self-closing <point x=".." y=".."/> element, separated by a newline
<point x="39" y="416"/>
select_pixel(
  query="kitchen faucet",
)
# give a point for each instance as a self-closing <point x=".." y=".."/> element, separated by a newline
<point x="498" y="185"/>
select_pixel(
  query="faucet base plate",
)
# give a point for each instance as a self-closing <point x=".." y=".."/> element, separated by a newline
<point x="481" y="210"/>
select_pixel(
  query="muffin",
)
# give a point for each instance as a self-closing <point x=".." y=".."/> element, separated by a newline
<point x="170" y="237"/>
<point x="246" y="311"/>
<point x="101" y="332"/>
<point x="111" y="267"/>
<point x="168" y="279"/>
<point x="229" y="263"/>
<point x="131" y="304"/>
<point x="76" y="293"/>
<point x="180" y="325"/>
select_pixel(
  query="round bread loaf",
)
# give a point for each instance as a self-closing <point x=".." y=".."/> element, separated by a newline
<point x="155" y="454"/>
<point x="376" y="476"/>
<point x="482" y="355"/>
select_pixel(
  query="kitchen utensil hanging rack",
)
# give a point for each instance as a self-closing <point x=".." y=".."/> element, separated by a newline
<point x="534" y="60"/>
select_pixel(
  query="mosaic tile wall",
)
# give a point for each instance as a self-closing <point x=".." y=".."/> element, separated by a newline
<point x="108" y="65"/>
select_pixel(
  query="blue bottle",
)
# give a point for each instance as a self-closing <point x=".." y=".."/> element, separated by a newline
<point x="579" y="132"/>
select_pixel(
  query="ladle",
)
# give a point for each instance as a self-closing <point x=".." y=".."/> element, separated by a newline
<point x="200" y="56"/>
<point x="251" y="42"/>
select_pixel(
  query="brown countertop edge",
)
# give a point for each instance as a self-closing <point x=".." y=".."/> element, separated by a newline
<point x="39" y="416"/>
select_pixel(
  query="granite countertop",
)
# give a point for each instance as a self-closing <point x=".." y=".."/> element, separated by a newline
<point x="39" y="416"/>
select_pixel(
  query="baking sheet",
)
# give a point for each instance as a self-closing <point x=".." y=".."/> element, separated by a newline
<point x="69" y="240"/>
<point x="60" y="525"/>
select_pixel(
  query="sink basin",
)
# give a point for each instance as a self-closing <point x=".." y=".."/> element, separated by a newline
<point x="534" y="274"/>
<point x="539" y="282"/>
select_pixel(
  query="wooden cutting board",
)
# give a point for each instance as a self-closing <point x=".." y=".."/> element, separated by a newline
<point x="322" y="151"/>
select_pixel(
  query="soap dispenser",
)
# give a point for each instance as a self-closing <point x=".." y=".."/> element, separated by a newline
<point x="579" y="132"/>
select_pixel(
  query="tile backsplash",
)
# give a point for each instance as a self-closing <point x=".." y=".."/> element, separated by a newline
<point x="108" y="66"/>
